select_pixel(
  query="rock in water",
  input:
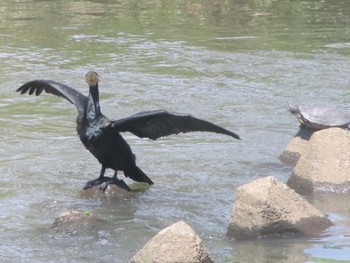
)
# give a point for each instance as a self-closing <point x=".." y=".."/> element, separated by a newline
<point x="176" y="243"/>
<point x="267" y="207"/>
<point x="71" y="217"/>
<point x="325" y="165"/>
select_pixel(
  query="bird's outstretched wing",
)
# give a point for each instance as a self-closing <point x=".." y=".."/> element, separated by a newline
<point x="56" y="88"/>
<point x="159" y="123"/>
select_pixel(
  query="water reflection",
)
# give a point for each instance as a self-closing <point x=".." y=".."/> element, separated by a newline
<point x="271" y="251"/>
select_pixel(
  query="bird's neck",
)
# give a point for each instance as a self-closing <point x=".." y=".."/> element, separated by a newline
<point x="93" y="108"/>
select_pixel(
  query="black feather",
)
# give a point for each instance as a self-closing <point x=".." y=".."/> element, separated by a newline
<point x="38" y="86"/>
<point x="160" y="123"/>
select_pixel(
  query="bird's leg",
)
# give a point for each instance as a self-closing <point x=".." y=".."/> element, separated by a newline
<point x="114" y="180"/>
<point x="101" y="179"/>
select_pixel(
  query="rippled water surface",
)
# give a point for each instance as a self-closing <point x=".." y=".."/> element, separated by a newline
<point x="235" y="63"/>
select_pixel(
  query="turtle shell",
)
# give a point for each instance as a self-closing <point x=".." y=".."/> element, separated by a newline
<point x="321" y="116"/>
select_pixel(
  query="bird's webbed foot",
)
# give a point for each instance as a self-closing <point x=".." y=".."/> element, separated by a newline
<point x="98" y="181"/>
<point x="118" y="182"/>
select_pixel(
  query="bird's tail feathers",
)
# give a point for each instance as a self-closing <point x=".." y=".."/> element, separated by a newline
<point x="137" y="175"/>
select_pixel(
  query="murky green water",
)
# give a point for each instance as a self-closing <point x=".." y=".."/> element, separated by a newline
<point x="235" y="63"/>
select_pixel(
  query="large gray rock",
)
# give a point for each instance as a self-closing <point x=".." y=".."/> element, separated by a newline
<point x="177" y="243"/>
<point x="325" y="164"/>
<point x="267" y="207"/>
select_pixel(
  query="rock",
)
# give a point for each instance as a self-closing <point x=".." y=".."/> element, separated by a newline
<point x="325" y="165"/>
<point x="176" y="243"/>
<point x="114" y="191"/>
<point x="111" y="191"/>
<point x="297" y="146"/>
<point x="267" y="207"/>
<point x="71" y="217"/>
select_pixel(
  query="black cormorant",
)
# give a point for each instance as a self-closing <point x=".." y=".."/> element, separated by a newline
<point x="101" y="136"/>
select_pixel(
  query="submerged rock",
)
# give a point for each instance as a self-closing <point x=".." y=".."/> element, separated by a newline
<point x="267" y="207"/>
<point x="325" y="164"/>
<point x="71" y="217"/>
<point x="176" y="243"/>
<point x="297" y="146"/>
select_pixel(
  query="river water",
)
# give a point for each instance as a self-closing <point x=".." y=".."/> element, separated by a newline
<point x="235" y="63"/>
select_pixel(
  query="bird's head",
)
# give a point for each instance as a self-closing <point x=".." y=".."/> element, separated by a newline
<point x="91" y="78"/>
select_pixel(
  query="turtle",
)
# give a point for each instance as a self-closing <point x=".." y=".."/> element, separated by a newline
<point x="321" y="116"/>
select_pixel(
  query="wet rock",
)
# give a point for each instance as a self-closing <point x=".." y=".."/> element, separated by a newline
<point x="114" y="191"/>
<point x="111" y="190"/>
<point x="71" y="217"/>
<point x="325" y="165"/>
<point x="267" y="207"/>
<point x="176" y="243"/>
<point x="297" y="146"/>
